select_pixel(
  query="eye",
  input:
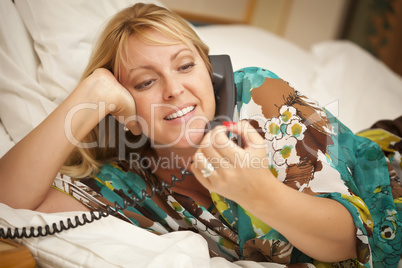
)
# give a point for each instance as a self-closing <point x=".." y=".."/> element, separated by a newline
<point x="144" y="85"/>
<point x="187" y="67"/>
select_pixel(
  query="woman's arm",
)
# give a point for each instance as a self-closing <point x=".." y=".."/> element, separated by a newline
<point x="321" y="228"/>
<point x="29" y="168"/>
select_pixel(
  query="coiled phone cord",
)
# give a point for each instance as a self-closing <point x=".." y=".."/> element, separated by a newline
<point x="28" y="232"/>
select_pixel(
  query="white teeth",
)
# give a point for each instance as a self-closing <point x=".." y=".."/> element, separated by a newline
<point x="180" y="113"/>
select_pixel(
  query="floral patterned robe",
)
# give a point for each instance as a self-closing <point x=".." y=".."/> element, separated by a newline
<point x="308" y="149"/>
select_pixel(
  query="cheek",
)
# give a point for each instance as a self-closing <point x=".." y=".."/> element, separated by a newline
<point x="210" y="101"/>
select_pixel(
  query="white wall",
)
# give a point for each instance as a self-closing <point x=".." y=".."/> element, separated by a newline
<point x="303" y="22"/>
<point x="312" y="21"/>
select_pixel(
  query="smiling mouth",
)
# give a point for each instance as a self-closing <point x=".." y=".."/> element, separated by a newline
<point x="180" y="113"/>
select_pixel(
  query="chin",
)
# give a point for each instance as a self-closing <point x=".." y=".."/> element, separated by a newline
<point x="187" y="139"/>
<point x="184" y="143"/>
<point x="192" y="142"/>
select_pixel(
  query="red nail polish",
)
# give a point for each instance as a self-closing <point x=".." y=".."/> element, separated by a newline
<point x="228" y="123"/>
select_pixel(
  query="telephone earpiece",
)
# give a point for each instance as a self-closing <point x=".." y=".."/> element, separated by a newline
<point x="224" y="89"/>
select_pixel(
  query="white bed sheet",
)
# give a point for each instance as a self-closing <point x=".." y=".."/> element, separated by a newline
<point x="111" y="242"/>
<point x="38" y="70"/>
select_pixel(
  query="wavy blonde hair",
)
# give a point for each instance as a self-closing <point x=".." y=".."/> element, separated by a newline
<point x="108" y="53"/>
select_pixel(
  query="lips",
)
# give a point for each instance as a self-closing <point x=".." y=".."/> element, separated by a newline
<point x="180" y="113"/>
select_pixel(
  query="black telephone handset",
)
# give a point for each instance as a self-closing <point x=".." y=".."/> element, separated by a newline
<point x="224" y="89"/>
<point x="225" y="97"/>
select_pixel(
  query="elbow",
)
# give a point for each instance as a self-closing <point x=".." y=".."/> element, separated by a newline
<point x="337" y="251"/>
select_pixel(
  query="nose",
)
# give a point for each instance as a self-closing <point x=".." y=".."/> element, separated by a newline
<point x="173" y="88"/>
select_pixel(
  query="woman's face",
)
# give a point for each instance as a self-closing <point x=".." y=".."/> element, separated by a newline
<point x="172" y="90"/>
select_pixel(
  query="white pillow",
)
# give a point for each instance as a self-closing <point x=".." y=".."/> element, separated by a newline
<point x="363" y="88"/>
<point x="63" y="34"/>
<point x="15" y="40"/>
<point x="40" y="67"/>
<point x="23" y="102"/>
<point x="5" y="140"/>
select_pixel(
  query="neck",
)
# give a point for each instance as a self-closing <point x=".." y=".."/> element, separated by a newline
<point x="175" y="158"/>
<point x="178" y="159"/>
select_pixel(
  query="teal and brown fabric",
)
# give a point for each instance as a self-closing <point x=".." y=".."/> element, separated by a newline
<point x="307" y="148"/>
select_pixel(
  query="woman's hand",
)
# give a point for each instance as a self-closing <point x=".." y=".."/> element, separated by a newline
<point x="321" y="228"/>
<point x="118" y="101"/>
<point x="238" y="172"/>
<point x="47" y="147"/>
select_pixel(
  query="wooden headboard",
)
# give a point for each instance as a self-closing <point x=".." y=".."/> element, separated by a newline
<point x="223" y="11"/>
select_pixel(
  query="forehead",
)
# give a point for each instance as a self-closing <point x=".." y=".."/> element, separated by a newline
<point x="149" y="44"/>
<point x="153" y="37"/>
<point x="148" y="48"/>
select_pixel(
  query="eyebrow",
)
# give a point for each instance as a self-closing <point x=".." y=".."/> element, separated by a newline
<point x="174" y="56"/>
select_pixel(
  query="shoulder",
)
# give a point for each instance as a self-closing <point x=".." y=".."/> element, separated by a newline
<point x="254" y="71"/>
<point x="262" y="86"/>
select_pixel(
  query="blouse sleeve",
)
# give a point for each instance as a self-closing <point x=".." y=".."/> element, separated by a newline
<point x="311" y="151"/>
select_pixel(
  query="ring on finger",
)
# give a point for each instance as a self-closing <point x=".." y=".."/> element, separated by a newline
<point x="208" y="170"/>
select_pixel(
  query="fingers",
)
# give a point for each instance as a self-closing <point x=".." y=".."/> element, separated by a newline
<point x="125" y="111"/>
<point x="219" y="163"/>
<point x="247" y="133"/>
<point x="216" y="143"/>
<point x="221" y="151"/>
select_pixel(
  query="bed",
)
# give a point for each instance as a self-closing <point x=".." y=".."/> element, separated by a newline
<point x="44" y="47"/>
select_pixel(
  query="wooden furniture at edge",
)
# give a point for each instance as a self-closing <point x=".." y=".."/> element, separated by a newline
<point x="15" y="255"/>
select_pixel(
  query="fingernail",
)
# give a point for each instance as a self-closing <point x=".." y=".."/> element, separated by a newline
<point x="228" y="123"/>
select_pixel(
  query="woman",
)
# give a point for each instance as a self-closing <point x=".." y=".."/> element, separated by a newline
<point x="294" y="192"/>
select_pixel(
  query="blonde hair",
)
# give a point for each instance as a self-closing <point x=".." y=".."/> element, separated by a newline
<point x="108" y="53"/>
